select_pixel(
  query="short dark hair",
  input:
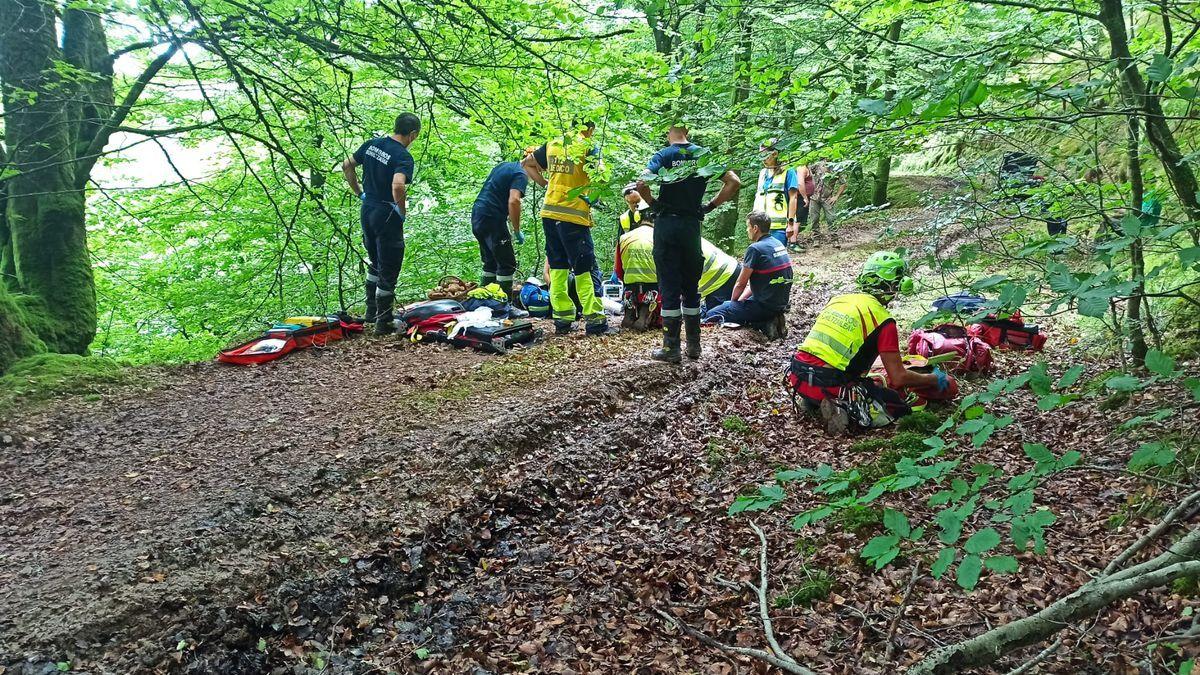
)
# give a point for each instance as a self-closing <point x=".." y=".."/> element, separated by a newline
<point x="760" y="220"/>
<point x="406" y="123"/>
<point x="586" y="124"/>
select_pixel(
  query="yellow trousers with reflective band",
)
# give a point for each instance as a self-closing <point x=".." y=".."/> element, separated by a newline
<point x="562" y="308"/>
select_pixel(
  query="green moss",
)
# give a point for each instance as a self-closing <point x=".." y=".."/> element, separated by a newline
<point x="1188" y="586"/>
<point x="815" y="584"/>
<point x="909" y="443"/>
<point x="735" y="424"/>
<point x="18" y="338"/>
<point x="921" y="421"/>
<point x="1116" y="400"/>
<point x="858" y="519"/>
<point x="45" y="376"/>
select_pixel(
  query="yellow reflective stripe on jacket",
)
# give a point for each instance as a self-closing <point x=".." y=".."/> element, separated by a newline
<point x="637" y="257"/>
<point x="719" y="266"/>
<point x="842" y="328"/>
<point x="626" y="225"/>
<point x="565" y="176"/>
<point x="774" y="199"/>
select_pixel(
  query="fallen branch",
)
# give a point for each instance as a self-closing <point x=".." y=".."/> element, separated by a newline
<point x="761" y="589"/>
<point x="777" y="656"/>
<point x="1042" y="656"/>
<point x="1157" y="531"/>
<point x="730" y="649"/>
<point x="891" y="634"/>
<point x="1094" y="596"/>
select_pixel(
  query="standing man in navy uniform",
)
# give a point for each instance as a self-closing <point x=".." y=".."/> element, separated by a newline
<point x="499" y="200"/>
<point x="387" y="172"/>
<point x="678" y="255"/>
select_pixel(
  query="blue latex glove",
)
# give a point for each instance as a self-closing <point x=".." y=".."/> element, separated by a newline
<point x="396" y="209"/>
<point x="943" y="380"/>
<point x="519" y="237"/>
<point x="588" y="200"/>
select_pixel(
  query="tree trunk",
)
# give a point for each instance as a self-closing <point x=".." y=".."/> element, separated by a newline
<point x="1158" y="131"/>
<point x="883" y="166"/>
<point x="727" y="220"/>
<point x="8" y="268"/>
<point x="1133" y="312"/>
<point x="45" y="210"/>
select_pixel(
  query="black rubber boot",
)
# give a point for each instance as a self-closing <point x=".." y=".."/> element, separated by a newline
<point x="385" y="323"/>
<point x="670" y="349"/>
<point x="691" y="329"/>
<point x="370" y="315"/>
<point x="563" y="327"/>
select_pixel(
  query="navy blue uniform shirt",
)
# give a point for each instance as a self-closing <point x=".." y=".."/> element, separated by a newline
<point x="492" y="202"/>
<point x="381" y="159"/>
<point x="771" y="273"/>
<point x="683" y="197"/>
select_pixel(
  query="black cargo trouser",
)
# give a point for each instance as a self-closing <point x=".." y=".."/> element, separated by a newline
<point x="679" y="261"/>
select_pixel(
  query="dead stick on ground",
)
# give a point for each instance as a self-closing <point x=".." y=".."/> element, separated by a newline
<point x="766" y="657"/>
<point x="1042" y="656"/>
<point x="777" y="656"/>
<point x="891" y="634"/>
<point x="761" y="589"/>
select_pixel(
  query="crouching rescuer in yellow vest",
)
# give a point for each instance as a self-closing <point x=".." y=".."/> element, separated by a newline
<point x="560" y="166"/>
<point x="635" y="268"/>
<point x="829" y="371"/>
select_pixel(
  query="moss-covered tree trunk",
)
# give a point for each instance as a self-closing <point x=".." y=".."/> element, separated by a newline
<point x="60" y="111"/>
<point x="45" y="206"/>
<point x="8" y="268"/>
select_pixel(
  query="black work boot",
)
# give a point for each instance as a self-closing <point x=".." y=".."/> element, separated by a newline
<point x="563" y="327"/>
<point x="370" y="315"/>
<point x="691" y="328"/>
<point x="385" y="323"/>
<point x="670" y="349"/>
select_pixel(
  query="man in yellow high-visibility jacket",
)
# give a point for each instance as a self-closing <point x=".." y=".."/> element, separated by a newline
<point x="634" y="266"/>
<point x="828" y="371"/>
<point x="567" y="223"/>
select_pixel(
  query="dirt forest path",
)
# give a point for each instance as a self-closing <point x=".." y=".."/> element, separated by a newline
<point x="230" y="500"/>
<point x="384" y="507"/>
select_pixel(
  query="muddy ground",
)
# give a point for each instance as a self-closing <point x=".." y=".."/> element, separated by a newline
<point x="386" y="507"/>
